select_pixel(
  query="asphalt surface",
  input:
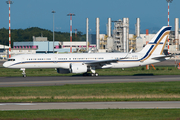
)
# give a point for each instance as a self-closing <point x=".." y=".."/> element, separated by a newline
<point x="49" y="81"/>
<point x="91" y="105"/>
<point x="59" y="80"/>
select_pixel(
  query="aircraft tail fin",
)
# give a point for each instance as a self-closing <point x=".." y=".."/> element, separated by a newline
<point x="158" y="42"/>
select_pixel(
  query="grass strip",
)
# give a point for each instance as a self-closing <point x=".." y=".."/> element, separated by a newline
<point x="159" y="91"/>
<point x="165" y="70"/>
<point x="92" y="114"/>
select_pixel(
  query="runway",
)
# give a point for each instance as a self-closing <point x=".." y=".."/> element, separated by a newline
<point x="91" y="105"/>
<point x="59" y="80"/>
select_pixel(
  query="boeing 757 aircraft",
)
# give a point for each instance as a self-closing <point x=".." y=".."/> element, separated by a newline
<point x="89" y="62"/>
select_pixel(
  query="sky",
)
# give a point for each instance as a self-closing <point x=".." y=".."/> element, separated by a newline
<point x="38" y="13"/>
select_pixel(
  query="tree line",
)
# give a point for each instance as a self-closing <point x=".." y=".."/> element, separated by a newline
<point x="24" y="35"/>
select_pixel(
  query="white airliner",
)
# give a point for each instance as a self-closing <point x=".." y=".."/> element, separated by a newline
<point x="86" y="62"/>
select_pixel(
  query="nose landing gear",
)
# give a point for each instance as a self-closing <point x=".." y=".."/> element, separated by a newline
<point x="23" y="73"/>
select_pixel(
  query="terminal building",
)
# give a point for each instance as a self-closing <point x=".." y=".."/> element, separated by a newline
<point x="42" y="45"/>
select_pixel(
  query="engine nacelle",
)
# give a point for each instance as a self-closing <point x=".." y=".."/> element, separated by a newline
<point x="62" y="71"/>
<point x="78" y="68"/>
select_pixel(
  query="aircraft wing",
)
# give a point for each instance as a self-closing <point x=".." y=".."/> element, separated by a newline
<point x="104" y="62"/>
<point x="101" y="62"/>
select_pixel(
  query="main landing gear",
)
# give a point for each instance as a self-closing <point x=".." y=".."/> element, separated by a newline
<point x="23" y="73"/>
<point x="91" y="74"/>
<point x="94" y="74"/>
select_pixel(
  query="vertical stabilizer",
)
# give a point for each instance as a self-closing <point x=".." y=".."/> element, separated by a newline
<point x="158" y="42"/>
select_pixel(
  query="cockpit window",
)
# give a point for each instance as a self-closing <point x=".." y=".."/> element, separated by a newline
<point x="11" y="59"/>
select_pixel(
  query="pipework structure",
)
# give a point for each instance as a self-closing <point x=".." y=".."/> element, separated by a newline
<point x="71" y="14"/>
<point x="9" y="2"/>
<point x="110" y="42"/>
<point x="169" y="1"/>
<point x="109" y="27"/>
<point x="177" y="33"/>
<point x="138" y="27"/>
<point x="97" y="34"/>
<point x="117" y="35"/>
<point x="121" y="35"/>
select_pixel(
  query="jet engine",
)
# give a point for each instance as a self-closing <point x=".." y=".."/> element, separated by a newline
<point x="62" y="71"/>
<point x="78" y="68"/>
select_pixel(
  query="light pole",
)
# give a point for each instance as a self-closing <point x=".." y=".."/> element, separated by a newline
<point x="71" y="14"/>
<point x="53" y="29"/>
<point x="87" y="33"/>
<point x="9" y="2"/>
<point x="169" y="1"/>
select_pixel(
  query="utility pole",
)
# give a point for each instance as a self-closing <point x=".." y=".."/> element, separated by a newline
<point x="169" y="1"/>
<point x="9" y="2"/>
<point x="53" y="29"/>
<point x="71" y="14"/>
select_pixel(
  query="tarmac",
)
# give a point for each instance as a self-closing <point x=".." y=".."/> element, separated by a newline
<point x="91" y="105"/>
<point x="46" y="81"/>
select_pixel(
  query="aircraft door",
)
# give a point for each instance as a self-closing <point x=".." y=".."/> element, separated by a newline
<point x="55" y="59"/>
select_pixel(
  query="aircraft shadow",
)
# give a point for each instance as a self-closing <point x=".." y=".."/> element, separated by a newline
<point x="149" y="74"/>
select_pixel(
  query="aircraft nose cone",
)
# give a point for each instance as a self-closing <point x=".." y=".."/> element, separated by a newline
<point x="5" y="64"/>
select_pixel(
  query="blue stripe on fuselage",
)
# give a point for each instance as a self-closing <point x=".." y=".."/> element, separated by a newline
<point x="51" y="62"/>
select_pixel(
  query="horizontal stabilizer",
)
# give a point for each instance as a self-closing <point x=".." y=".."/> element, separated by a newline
<point x="163" y="57"/>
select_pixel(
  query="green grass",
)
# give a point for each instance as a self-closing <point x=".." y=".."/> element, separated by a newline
<point x="159" y="91"/>
<point x="89" y="114"/>
<point x="169" y="70"/>
<point x="95" y="89"/>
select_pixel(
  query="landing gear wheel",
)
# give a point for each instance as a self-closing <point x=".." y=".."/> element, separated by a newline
<point x="93" y="71"/>
<point x="96" y="74"/>
<point x="85" y="74"/>
<point x="24" y="75"/>
<point x="92" y="74"/>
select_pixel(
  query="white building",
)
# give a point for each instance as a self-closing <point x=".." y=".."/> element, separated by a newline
<point x="142" y="40"/>
<point x="17" y="51"/>
<point x="4" y="50"/>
